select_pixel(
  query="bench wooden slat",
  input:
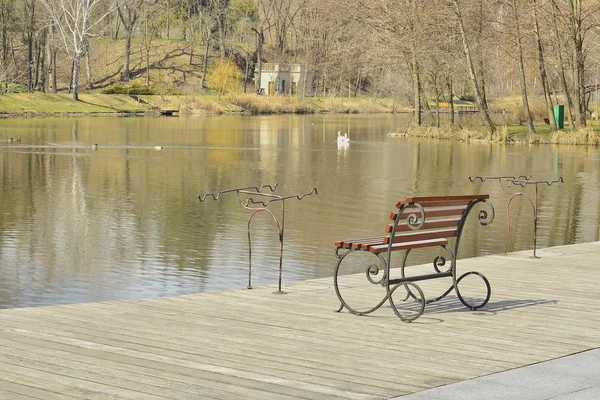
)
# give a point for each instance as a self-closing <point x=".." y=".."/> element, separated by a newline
<point x="431" y="212"/>
<point x="409" y="245"/>
<point x="355" y="242"/>
<point x="421" y="235"/>
<point x="365" y="245"/>
<point x="429" y="224"/>
<point x="422" y="199"/>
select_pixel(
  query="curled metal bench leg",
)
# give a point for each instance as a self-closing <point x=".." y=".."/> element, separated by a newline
<point x="416" y="292"/>
<point x="371" y="271"/>
<point x="473" y="306"/>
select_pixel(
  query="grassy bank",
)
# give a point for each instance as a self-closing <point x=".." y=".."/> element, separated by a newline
<point x="589" y="136"/>
<point x="94" y="103"/>
<point x="40" y="104"/>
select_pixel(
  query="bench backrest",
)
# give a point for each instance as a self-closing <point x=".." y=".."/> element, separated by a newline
<point x="444" y="217"/>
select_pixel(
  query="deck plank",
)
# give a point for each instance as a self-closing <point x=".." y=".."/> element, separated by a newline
<point x="253" y="344"/>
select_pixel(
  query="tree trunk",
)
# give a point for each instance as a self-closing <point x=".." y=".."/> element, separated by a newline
<point x="451" y="101"/>
<point x="43" y="63"/>
<point x="221" y="26"/>
<point x="39" y="59"/>
<point x="247" y="71"/>
<point x="53" y="77"/>
<point x="147" y="65"/>
<point x="523" y="81"/>
<point x="563" y="78"/>
<point x="168" y="17"/>
<point x="260" y="38"/>
<point x="125" y="75"/>
<point x="578" y="61"/>
<point x="357" y="85"/>
<point x="4" y="45"/>
<point x="480" y="100"/>
<point x="117" y="28"/>
<point x="75" y="81"/>
<point x="542" y="65"/>
<point x="416" y="90"/>
<point x="88" y="63"/>
<point x="205" y="62"/>
<point x="30" y="30"/>
<point x="437" y="109"/>
<point x="110" y="24"/>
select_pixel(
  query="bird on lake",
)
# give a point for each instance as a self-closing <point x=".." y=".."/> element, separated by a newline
<point x="343" y="141"/>
<point x="9" y="140"/>
<point x="158" y="147"/>
<point x="94" y="146"/>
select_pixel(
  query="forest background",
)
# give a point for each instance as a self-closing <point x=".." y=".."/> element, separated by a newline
<point x="513" y="59"/>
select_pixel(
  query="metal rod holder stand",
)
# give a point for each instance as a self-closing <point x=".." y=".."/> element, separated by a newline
<point x="257" y="206"/>
<point x="522" y="180"/>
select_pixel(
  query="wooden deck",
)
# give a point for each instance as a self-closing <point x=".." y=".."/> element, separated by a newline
<point x="242" y="344"/>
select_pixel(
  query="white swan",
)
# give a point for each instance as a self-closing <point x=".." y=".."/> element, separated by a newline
<point x="343" y="141"/>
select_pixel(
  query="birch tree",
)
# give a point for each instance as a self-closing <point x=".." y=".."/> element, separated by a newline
<point x="74" y="21"/>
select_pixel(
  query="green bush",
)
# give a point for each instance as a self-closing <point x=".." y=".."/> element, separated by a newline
<point x="17" y="88"/>
<point x="136" y="88"/>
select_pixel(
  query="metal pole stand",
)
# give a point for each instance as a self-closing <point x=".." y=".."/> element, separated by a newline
<point x="257" y="206"/>
<point x="522" y="181"/>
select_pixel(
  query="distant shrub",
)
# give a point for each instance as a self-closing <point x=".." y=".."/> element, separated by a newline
<point x="17" y="88"/>
<point x="136" y="88"/>
<point x="466" y="97"/>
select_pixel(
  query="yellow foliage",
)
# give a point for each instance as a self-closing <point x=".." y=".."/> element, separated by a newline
<point x="224" y="77"/>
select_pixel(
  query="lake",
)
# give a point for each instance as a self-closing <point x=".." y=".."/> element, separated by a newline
<point x="122" y="220"/>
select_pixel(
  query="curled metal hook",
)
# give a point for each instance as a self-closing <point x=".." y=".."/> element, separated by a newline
<point x="502" y="178"/>
<point x="257" y="189"/>
<point x="278" y="198"/>
<point x="522" y="183"/>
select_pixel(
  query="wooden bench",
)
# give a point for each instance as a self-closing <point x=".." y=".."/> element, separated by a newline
<point x="418" y="222"/>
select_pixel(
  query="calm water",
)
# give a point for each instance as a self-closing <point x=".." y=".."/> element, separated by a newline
<point x="122" y="221"/>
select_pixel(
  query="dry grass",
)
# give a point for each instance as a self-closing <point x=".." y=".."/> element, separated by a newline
<point x="354" y="106"/>
<point x="272" y="104"/>
<point x="207" y="104"/>
<point x="452" y="132"/>
<point x="582" y="137"/>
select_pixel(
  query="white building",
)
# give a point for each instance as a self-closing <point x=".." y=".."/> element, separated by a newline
<point x="285" y="79"/>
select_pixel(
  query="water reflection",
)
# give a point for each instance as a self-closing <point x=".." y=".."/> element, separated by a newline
<point x="122" y="221"/>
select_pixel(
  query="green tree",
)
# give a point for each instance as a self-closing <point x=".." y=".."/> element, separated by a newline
<point x="224" y="77"/>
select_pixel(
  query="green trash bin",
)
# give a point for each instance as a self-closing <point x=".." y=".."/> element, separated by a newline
<point x="559" y="115"/>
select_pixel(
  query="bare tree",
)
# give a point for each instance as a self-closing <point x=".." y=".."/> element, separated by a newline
<point x="523" y="79"/>
<point x="150" y="30"/>
<point x="482" y="103"/>
<point x="542" y="65"/>
<point x="74" y="21"/>
<point x="128" y="14"/>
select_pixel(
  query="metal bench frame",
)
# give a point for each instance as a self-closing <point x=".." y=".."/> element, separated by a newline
<point x="414" y="210"/>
